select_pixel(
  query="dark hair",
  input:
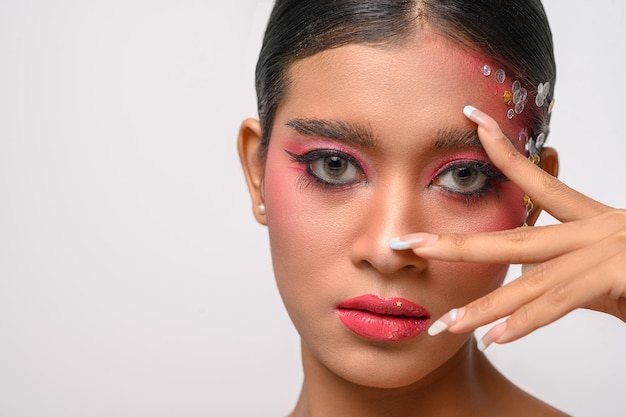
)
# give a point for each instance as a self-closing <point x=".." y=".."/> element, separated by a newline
<point x="515" y="34"/>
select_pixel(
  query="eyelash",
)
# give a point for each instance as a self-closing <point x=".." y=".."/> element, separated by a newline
<point x="311" y="178"/>
<point x="493" y="177"/>
<point x="307" y="159"/>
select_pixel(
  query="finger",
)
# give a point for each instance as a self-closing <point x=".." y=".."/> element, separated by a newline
<point x="548" y="291"/>
<point x="551" y="305"/>
<point x="514" y="246"/>
<point x="547" y="191"/>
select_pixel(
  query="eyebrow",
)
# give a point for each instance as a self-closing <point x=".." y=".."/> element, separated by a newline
<point x="348" y="133"/>
<point x="453" y="139"/>
<point x="448" y="139"/>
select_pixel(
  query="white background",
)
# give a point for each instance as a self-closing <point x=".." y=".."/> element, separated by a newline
<point x="133" y="278"/>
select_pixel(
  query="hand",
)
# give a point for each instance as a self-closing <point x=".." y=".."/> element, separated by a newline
<point x="580" y="263"/>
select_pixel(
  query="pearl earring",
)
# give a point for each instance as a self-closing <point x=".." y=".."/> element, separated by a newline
<point x="261" y="209"/>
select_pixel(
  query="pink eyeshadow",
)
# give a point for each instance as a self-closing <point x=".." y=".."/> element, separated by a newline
<point x="300" y="146"/>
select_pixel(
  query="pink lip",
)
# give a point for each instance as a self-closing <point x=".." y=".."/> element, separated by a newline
<point x="383" y="319"/>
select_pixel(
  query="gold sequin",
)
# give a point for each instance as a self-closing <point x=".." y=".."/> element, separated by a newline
<point x="507" y="97"/>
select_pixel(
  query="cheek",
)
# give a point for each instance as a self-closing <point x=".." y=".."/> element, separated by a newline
<point x="283" y="208"/>
<point x="288" y="231"/>
<point x="278" y="190"/>
<point x="504" y="210"/>
<point x="510" y="213"/>
<point x="302" y="231"/>
<point x="475" y="280"/>
<point x="306" y="243"/>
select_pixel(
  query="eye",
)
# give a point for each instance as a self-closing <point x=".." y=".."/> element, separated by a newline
<point x="461" y="178"/>
<point x="331" y="167"/>
<point x="468" y="178"/>
<point x="334" y="169"/>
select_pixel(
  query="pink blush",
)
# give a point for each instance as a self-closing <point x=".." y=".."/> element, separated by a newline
<point x="279" y="184"/>
<point x="510" y="214"/>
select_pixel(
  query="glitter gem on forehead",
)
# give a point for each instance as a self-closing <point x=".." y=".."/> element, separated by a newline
<point x="516" y="98"/>
<point x="500" y="76"/>
<point x="515" y="101"/>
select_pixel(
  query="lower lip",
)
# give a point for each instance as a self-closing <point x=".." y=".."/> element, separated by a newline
<point x="363" y="317"/>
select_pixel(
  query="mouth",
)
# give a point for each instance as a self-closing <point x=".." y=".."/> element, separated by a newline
<point x="383" y="319"/>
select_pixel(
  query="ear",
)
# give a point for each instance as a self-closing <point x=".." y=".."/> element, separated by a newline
<point x="253" y="167"/>
<point x="549" y="162"/>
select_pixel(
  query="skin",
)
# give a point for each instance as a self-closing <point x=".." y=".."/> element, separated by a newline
<point x="331" y="244"/>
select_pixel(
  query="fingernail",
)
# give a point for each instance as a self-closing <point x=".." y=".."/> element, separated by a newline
<point x="481" y="345"/>
<point x="437" y="327"/>
<point x="398" y="244"/>
<point x="468" y="110"/>
<point x="473" y="114"/>
<point x="483" y="120"/>
<point x="416" y="240"/>
<point x="491" y="336"/>
<point x="446" y="321"/>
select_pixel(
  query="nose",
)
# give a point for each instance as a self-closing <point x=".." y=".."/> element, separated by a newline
<point x="392" y="210"/>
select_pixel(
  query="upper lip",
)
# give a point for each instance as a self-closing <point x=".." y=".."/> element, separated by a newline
<point x="393" y="306"/>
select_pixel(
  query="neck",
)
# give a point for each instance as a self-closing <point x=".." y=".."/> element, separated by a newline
<point x="465" y="382"/>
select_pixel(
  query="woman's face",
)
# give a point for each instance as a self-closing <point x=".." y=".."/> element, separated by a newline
<point x="368" y="144"/>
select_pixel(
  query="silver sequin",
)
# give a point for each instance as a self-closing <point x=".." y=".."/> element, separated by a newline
<point x="524" y="94"/>
<point x="539" y="100"/>
<point x="542" y="93"/>
<point x="510" y="114"/>
<point x="500" y="76"/>
<point x="541" y="139"/>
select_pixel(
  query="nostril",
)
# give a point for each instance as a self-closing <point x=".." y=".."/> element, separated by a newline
<point x="387" y="261"/>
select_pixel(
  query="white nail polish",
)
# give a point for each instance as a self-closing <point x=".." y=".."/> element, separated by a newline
<point x="491" y="336"/>
<point x="397" y="244"/>
<point x="437" y="327"/>
<point x="467" y="110"/>
<point x="440" y="326"/>
<point x="481" y="345"/>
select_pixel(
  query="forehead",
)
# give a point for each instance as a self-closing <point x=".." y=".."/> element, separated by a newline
<point x="426" y="53"/>
<point x="422" y="79"/>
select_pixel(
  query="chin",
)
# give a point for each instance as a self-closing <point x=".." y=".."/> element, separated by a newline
<point x="396" y="366"/>
<point x="387" y="380"/>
